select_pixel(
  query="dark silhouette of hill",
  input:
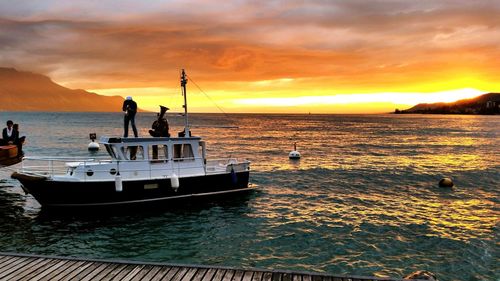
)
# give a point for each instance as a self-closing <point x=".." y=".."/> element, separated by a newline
<point x="26" y="91"/>
<point x="484" y="104"/>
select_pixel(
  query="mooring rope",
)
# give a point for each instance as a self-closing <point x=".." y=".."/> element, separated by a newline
<point x="191" y="79"/>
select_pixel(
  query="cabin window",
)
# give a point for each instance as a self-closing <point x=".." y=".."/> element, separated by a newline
<point x="158" y="152"/>
<point x="133" y="152"/>
<point x="183" y="152"/>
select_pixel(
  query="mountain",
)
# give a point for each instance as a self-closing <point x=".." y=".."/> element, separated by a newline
<point x="26" y="91"/>
<point x="484" y="104"/>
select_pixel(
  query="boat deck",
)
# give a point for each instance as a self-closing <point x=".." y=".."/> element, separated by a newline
<point x="36" y="267"/>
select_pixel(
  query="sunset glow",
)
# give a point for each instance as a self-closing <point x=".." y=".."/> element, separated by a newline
<point x="261" y="56"/>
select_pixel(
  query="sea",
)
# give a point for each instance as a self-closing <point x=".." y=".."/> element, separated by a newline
<point x="363" y="199"/>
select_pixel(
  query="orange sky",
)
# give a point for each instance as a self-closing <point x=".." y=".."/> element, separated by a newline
<point x="261" y="56"/>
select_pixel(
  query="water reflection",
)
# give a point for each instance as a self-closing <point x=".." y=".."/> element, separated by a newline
<point x="363" y="199"/>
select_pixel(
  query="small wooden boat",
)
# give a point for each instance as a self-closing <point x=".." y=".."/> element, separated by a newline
<point x="9" y="155"/>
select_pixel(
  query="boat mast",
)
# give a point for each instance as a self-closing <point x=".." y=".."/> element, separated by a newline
<point x="186" y="121"/>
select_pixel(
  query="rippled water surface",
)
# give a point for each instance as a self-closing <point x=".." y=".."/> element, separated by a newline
<point x="362" y="200"/>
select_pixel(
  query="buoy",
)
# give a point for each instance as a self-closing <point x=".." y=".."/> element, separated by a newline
<point x="118" y="183"/>
<point x="294" y="154"/>
<point x="174" y="181"/>
<point x="93" y="146"/>
<point x="422" y="275"/>
<point x="446" y="182"/>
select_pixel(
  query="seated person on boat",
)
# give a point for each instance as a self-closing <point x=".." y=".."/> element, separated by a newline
<point x="10" y="136"/>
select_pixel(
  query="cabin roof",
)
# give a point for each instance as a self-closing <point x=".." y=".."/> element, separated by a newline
<point x="110" y="140"/>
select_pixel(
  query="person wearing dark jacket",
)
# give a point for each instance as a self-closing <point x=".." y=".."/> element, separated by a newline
<point x="130" y="109"/>
<point x="8" y="134"/>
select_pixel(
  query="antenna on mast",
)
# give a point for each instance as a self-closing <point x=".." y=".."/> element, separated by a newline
<point x="186" y="120"/>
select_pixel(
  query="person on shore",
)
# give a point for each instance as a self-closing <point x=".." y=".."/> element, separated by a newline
<point x="8" y="134"/>
<point x="130" y="109"/>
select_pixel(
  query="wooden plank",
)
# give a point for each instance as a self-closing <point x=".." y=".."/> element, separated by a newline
<point x="11" y="264"/>
<point x="153" y="272"/>
<point x="238" y="275"/>
<point x="95" y="271"/>
<point x="82" y="273"/>
<point x="199" y="274"/>
<point x="77" y="271"/>
<point x="161" y="273"/>
<point x="247" y="276"/>
<point x="20" y="269"/>
<point x="267" y="276"/>
<point x="62" y="269"/>
<point x="171" y="273"/>
<point x="229" y="275"/>
<point x="189" y="274"/>
<point x="132" y="273"/>
<point x="287" y="277"/>
<point x="257" y="276"/>
<point x="276" y="276"/>
<point x="32" y="267"/>
<point x="209" y="275"/>
<point x="219" y="274"/>
<point x="6" y="260"/>
<point x="144" y="271"/>
<point x="33" y="270"/>
<point x="121" y="272"/>
<point x="15" y="266"/>
<point x="107" y="270"/>
<point x="178" y="276"/>
<point x="306" y="277"/>
<point x="317" y="278"/>
<point x="47" y="273"/>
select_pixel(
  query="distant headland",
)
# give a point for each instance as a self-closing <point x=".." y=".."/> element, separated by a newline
<point x="27" y="91"/>
<point x="487" y="104"/>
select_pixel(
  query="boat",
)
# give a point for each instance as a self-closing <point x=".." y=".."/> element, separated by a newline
<point x="138" y="171"/>
<point x="9" y="155"/>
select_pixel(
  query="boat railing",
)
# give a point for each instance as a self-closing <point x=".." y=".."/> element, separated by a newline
<point x="225" y="161"/>
<point x="49" y="166"/>
<point x="59" y="166"/>
<point x="222" y="164"/>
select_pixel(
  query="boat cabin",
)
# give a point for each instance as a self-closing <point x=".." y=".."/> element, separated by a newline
<point x="156" y="150"/>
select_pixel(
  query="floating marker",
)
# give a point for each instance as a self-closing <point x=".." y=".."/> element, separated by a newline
<point x="294" y="154"/>
<point x="93" y="146"/>
<point x="446" y="182"/>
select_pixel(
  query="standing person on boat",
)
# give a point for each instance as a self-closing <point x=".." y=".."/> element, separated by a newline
<point x="130" y="109"/>
<point x="8" y="133"/>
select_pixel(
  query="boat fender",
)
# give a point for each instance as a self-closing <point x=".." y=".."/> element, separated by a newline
<point x="174" y="181"/>
<point x="118" y="183"/>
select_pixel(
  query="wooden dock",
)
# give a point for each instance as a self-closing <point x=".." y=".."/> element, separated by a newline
<point x="35" y="267"/>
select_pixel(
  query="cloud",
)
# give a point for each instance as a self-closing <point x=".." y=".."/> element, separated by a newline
<point x="358" y="44"/>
